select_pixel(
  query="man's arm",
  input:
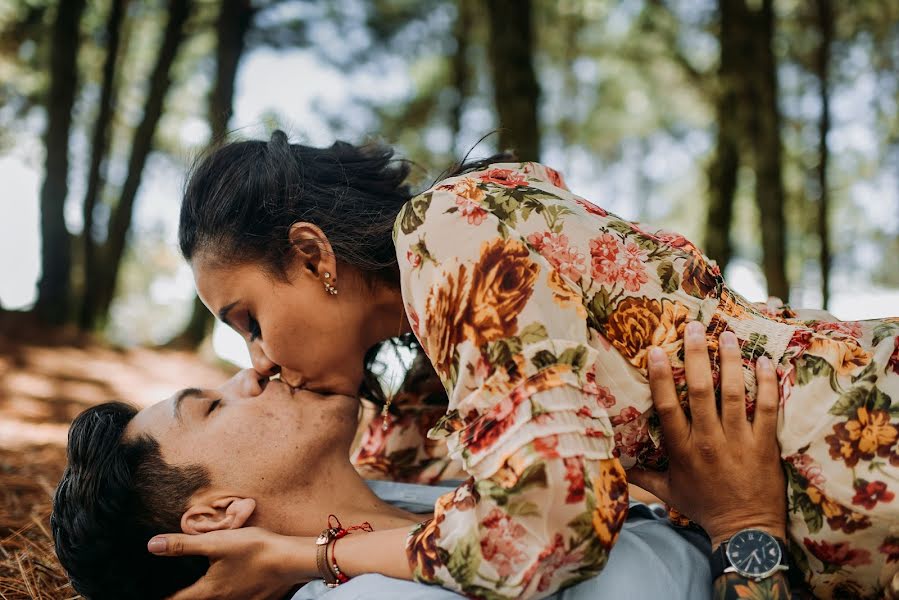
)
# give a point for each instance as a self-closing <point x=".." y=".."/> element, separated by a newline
<point x="733" y="586"/>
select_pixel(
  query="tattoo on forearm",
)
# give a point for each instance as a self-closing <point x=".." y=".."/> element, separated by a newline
<point x="733" y="586"/>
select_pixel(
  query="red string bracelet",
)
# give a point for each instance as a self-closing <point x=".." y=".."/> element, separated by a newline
<point x="329" y="537"/>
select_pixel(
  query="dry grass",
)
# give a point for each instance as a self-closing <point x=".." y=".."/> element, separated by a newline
<point x="45" y="381"/>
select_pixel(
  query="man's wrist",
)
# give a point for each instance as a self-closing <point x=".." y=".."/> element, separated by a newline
<point x="297" y="559"/>
<point x="718" y="538"/>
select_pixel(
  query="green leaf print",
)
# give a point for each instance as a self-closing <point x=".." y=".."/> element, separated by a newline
<point x="523" y="509"/>
<point x="869" y="375"/>
<point x="544" y="359"/>
<point x="877" y="400"/>
<point x="582" y="525"/>
<point x="849" y="403"/>
<point x="414" y="213"/>
<point x="533" y="333"/>
<point x="669" y="277"/>
<point x="465" y="560"/>
<point x="599" y="308"/>
<point x="809" y="367"/>
<point x="502" y="351"/>
<point x="755" y="346"/>
<point x="884" y="331"/>
<point x="622" y="227"/>
<point x="576" y="357"/>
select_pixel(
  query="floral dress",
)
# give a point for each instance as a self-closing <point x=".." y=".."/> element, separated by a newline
<point x="537" y="310"/>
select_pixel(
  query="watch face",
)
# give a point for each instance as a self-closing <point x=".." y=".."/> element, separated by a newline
<point x="753" y="553"/>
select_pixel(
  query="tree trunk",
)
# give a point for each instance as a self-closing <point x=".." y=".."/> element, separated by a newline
<point x="232" y="25"/>
<point x="822" y="67"/>
<point x="99" y="148"/>
<point x="764" y="133"/>
<point x="120" y="221"/>
<point x="725" y="164"/>
<point x="460" y="76"/>
<point x="56" y="253"/>
<point x="515" y="88"/>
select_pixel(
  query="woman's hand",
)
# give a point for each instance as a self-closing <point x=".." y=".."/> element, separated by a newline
<point x="251" y="562"/>
<point x="724" y="472"/>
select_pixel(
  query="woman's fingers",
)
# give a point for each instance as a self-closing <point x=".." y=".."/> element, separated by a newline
<point x="700" y="387"/>
<point x="733" y="390"/>
<point x="764" y="424"/>
<point x="664" y="396"/>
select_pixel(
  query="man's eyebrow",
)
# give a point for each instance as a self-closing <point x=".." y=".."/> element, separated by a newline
<point x="223" y="313"/>
<point x="181" y="396"/>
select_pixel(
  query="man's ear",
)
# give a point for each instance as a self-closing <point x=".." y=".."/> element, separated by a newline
<point x="223" y="513"/>
<point x="312" y="250"/>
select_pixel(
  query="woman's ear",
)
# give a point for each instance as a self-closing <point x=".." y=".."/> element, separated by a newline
<point x="224" y="513"/>
<point x="312" y="250"/>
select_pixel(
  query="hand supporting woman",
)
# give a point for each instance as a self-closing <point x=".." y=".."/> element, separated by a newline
<point x="724" y="471"/>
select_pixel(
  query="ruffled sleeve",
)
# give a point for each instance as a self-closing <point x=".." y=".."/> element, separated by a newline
<point x="507" y="333"/>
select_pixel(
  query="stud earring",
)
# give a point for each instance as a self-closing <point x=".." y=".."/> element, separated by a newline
<point x="328" y="287"/>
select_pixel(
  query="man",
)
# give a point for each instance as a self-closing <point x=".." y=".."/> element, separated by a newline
<point x="259" y="453"/>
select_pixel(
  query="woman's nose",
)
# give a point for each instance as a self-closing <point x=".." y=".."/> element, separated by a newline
<point x="262" y="363"/>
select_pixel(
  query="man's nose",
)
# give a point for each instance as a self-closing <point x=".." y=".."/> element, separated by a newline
<point x="261" y="362"/>
<point x="244" y="384"/>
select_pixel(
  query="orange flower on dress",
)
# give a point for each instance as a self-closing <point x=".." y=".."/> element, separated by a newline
<point x="638" y="323"/>
<point x="610" y="488"/>
<point x="838" y="517"/>
<point x="564" y="296"/>
<point x="870" y="433"/>
<point x="845" y="355"/>
<point x="502" y="284"/>
<point x="445" y="310"/>
<point x="700" y="277"/>
<point x="423" y="551"/>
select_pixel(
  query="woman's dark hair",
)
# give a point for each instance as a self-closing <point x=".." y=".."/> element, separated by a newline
<point x="113" y="497"/>
<point x="242" y="198"/>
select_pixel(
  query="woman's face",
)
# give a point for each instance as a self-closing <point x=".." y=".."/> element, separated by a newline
<point x="293" y="325"/>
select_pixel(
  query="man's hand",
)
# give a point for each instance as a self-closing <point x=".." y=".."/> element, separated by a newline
<point x="251" y="562"/>
<point x="724" y="472"/>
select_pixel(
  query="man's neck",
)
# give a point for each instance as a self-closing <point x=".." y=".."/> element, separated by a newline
<point x="341" y="492"/>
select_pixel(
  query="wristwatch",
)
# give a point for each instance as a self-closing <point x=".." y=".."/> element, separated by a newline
<point x="752" y="553"/>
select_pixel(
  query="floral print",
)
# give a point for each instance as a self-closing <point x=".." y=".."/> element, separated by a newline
<point x="537" y="309"/>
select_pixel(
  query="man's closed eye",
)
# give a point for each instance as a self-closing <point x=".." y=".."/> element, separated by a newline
<point x="213" y="405"/>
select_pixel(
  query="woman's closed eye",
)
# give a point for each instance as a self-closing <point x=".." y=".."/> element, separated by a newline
<point x="253" y="328"/>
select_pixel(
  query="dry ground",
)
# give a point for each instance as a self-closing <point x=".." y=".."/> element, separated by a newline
<point x="46" y="379"/>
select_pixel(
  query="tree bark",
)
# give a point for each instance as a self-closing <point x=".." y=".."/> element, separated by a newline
<point x="764" y="133"/>
<point x="822" y="66"/>
<point x="235" y="18"/>
<point x="723" y="170"/>
<point x="160" y="82"/>
<point x="56" y="253"/>
<point x="99" y="148"/>
<point x="460" y="75"/>
<point x="515" y="88"/>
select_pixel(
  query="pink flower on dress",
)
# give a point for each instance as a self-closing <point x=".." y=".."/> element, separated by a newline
<point x="504" y="177"/>
<point x="633" y="267"/>
<point x="602" y="395"/>
<point x="555" y="248"/>
<point x="604" y="251"/>
<point x="555" y="178"/>
<point x="893" y="361"/>
<point x="414" y="258"/>
<point x="840" y="554"/>
<point x="471" y="210"/>
<point x="574" y="475"/>
<point x="504" y="545"/>
<point x="851" y="329"/>
<point x="553" y="558"/>
<point x="591" y="208"/>
<point x="548" y="446"/>
<point x="631" y="431"/>
<point x="808" y="468"/>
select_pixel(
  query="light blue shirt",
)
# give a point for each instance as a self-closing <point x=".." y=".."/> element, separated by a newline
<point x="651" y="560"/>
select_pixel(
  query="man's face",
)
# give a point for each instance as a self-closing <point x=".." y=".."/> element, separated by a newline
<point x="255" y="437"/>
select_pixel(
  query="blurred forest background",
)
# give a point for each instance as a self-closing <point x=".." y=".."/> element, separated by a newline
<point x="765" y="130"/>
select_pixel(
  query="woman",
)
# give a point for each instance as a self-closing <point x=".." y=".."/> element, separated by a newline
<point x="538" y="311"/>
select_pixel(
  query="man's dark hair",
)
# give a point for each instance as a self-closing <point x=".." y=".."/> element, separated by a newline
<point x="114" y="496"/>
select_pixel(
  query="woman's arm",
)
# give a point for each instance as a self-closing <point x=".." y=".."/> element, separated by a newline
<point x="724" y="471"/>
